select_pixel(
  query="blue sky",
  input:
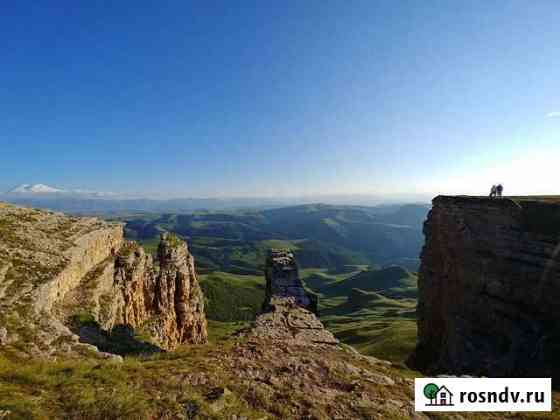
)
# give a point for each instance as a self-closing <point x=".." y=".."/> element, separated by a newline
<point x="271" y="98"/>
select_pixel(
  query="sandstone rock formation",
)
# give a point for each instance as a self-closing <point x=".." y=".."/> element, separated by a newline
<point x="67" y="281"/>
<point x="161" y="299"/>
<point x="178" y="299"/>
<point x="282" y="280"/>
<point x="489" y="288"/>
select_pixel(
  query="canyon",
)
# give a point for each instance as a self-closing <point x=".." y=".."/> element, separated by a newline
<point x="84" y="312"/>
<point x="76" y="297"/>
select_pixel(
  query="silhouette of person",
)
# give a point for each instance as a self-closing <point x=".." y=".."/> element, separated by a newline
<point x="499" y="190"/>
<point x="492" y="191"/>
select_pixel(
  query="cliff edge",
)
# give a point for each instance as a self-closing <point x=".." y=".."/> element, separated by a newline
<point x="68" y="283"/>
<point x="489" y="288"/>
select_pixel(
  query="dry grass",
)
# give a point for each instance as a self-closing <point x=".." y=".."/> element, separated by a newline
<point x="253" y="379"/>
<point x="555" y="199"/>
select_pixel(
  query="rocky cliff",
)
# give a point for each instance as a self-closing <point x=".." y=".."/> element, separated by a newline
<point x="289" y="311"/>
<point x="178" y="299"/>
<point x="489" y="287"/>
<point x="282" y="280"/>
<point x="160" y="299"/>
<point x="67" y="283"/>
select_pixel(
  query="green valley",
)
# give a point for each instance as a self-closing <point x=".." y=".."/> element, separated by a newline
<point x="372" y="310"/>
<point x="358" y="260"/>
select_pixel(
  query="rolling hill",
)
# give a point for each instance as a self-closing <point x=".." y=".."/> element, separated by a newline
<point x="320" y="235"/>
<point x="372" y="310"/>
<point x="393" y="282"/>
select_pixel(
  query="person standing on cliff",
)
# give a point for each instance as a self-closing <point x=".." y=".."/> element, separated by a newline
<point x="493" y="191"/>
<point x="499" y="190"/>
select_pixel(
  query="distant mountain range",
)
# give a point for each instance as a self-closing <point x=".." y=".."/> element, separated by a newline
<point x="96" y="202"/>
<point x="320" y="235"/>
<point x="45" y="191"/>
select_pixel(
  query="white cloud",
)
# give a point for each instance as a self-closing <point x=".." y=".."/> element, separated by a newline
<point x="553" y="114"/>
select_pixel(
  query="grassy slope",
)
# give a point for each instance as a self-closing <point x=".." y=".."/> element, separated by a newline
<point x="231" y="297"/>
<point x="140" y="388"/>
<point x="219" y="331"/>
<point x="374" y="324"/>
<point x="179" y="385"/>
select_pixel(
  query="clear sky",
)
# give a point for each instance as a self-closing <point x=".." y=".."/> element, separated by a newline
<point x="273" y="98"/>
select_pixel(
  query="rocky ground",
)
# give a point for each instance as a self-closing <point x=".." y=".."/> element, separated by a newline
<point x="42" y="256"/>
<point x="238" y="378"/>
<point x="285" y="366"/>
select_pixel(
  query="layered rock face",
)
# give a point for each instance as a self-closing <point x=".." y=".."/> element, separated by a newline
<point x="489" y="288"/>
<point x="178" y="299"/>
<point x="162" y="299"/>
<point x="282" y="280"/>
<point x="67" y="281"/>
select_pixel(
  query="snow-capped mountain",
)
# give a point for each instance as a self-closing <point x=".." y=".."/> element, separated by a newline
<point x="46" y="191"/>
<point x="34" y="189"/>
